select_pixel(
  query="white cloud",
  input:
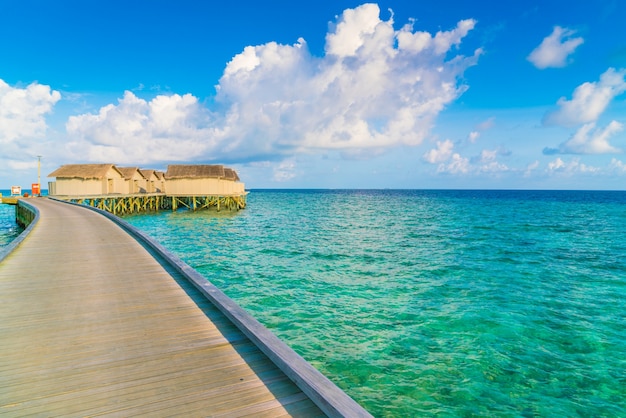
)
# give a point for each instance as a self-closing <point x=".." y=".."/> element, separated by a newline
<point x="588" y="103"/>
<point x="453" y="163"/>
<point x="556" y="164"/>
<point x="357" y="29"/>
<point x="530" y="168"/>
<point x="487" y="156"/>
<point x="487" y="124"/>
<point x="24" y="127"/>
<point x="481" y="127"/>
<point x="617" y="166"/>
<point x="493" y="167"/>
<point x="23" y="110"/>
<point x="572" y="167"/>
<point x="555" y="49"/>
<point x="473" y="137"/>
<point x="442" y="153"/>
<point x="370" y="91"/>
<point x="285" y="171"/>
<point x="456" y="165"/>
<point x="589" y="100"/>
<point x="167" y="128"/>
<point x="487" y="162"/>
<point x="591" y="140"/>
<point x="21" y="165"/>
<point x="365" y="93"/>
<point x="441" y="43"/>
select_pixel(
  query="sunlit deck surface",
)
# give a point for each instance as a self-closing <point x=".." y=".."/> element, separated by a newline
<point x="92" y="323"/>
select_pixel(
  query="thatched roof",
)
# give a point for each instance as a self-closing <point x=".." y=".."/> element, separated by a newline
<point x="129" y="172"/>
<point x="178" y="171"/>
<point x="83" y="171"/>
<point x="185" y="171"/>
<point x="230" y="174"/>
<point x="148" y="173"/>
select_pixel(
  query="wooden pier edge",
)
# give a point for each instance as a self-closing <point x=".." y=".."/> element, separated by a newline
<point x="332" y="400"/>
<point x="24" y="206"/>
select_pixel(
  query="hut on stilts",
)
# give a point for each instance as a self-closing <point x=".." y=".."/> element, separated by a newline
<point x="135" y="180"/>
<point x="124" y="190"/>
<point x="86" y="180"/>
<point x="204" y="186"/>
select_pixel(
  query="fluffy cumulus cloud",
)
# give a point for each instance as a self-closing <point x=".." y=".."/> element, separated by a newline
<point x="589" y="100"/>
<point x="374" y="88"/>
<point x="481" y="127"/>
<point x="23" y="111"/>
<point x="571" y="167"/>
<point x="588" y="103"/>
<point x="473" y="137"/>
<point x="23" y="125"/>
<point x="451" y="162"/>
<point x="166" y="128"/>
<point x="440" y="154"/>
<point x="555" y="49"/>
<point x="617" y="166"/>
<point x="455" y="165"/>
<point x="440" y="44"/>
<point x="590" y="140"/>
<point x="530" y="168"/>
<point x="285" y="171"/>
<point x="487" y="161"/>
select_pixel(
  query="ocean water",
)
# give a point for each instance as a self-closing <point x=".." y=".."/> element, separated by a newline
<point x="8" y="228"/>
<point x="431" y="303"/>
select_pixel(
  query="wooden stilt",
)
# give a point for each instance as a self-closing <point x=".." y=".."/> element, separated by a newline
<point x="123" y="205"/>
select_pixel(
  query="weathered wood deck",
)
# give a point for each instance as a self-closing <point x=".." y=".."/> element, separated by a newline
<point x="94" y="323"/>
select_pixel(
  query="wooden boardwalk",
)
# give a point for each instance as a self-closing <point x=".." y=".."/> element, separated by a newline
<point x="94" y="324"/>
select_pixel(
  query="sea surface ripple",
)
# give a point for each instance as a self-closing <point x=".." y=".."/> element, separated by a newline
<point x="8" y="227"/>
<point x="431" y="303"/>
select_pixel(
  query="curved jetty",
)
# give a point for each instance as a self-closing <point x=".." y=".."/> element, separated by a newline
<point x="97" y="319"/>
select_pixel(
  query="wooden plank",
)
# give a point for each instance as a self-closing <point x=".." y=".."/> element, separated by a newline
<point x="92" y="324"/>
<point x="324" y="393"/>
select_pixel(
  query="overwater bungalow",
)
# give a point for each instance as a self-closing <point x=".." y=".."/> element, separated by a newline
<point x="87" y="180"/>
<point x="234" y="186"/>
<point x="202" y="179"/>
<point x="123" y="190"/>
<point x="152" y="181"/>
<point x="160" y="184"/>
<point x="135" y="180"/>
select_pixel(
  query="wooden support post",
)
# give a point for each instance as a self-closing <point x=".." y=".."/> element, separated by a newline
<point x="127" y="204"/>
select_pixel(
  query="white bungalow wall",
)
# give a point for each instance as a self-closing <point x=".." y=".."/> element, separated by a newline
<point x="160" y="186"/>
<point x="116" y="186"/>
<point x="80" y="187"/>
<point x="203" y="187"/>
<point x="115" y="183"/>
<point x="239" y="188"/>
<point x="151" y="184"/>
<point x="135" y="184"/>
<point x="141" y="184"/>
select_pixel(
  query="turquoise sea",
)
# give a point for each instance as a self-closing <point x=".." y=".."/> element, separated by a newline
<point x="431" y="303"/>
<point x="8" y="228"/>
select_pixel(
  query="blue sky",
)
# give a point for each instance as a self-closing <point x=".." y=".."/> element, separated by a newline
<point x="341" y="94"/>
